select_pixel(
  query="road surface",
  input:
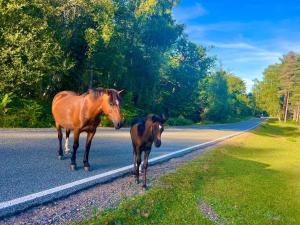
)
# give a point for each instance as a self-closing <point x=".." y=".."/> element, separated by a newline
<point x="28" y="156"/>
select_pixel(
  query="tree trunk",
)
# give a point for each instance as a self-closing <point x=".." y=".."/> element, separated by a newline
<point x="294" y="114"/>
<point x="286" y="106"/>
<point x="297" y="114"/>
<point x="91" y="76"/>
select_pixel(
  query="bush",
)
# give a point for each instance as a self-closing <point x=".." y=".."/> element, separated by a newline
<point x="180" y="121"/>
<point x="16" y="112"/>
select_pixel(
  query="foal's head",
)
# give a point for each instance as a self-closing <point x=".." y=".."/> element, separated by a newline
<point x="157" y="128"/>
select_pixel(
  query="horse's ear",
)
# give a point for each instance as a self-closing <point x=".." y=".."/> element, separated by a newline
<point x="119" y="92"/>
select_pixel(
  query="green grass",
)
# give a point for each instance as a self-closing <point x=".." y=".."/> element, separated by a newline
<point x="253" y="179"/>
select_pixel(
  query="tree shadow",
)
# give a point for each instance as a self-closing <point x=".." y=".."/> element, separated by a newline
<point x="270" y="130"/>
<point x="238" y="172"/>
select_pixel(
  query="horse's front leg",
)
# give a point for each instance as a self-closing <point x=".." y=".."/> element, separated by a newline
<point x="60" y="136"/>
<point x="90" y="136"/>
<point x="75" y="147"/>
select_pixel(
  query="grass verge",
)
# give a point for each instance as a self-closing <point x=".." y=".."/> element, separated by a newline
<point x="252" y="179"/>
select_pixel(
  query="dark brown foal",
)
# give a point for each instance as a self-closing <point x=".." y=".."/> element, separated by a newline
<point x="143" y="133"/>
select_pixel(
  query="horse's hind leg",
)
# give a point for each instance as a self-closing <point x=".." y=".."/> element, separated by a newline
<point x="67" y="149"/>
<point x="60" y="150"/>
<point x="75" y="147"/>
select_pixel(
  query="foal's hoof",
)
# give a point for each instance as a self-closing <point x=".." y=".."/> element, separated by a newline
<point x="73" y="167"/>
<point x="87" y="168"/>
<point x="145" y="186"/>
<point x="60" y="157"/>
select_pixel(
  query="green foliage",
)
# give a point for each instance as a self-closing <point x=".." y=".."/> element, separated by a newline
<point x="223" y="98"/>
<point x="24" y="113"/>
<point x="50" y="46"/>
<point x="216" y="97"/>
<point x="6" y="99"/>
<point x="278" y="93"/>
<point x="180" y="121"/>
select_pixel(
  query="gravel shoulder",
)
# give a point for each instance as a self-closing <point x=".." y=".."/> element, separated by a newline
<point x="85" y="204"/>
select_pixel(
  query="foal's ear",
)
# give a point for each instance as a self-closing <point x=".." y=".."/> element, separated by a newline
<point x="155" y="118"/>
<point x="163" y="118"/>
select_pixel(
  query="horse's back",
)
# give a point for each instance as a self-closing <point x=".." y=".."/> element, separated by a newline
<point x="65" y="105"/>
<point x="63" y="94"/>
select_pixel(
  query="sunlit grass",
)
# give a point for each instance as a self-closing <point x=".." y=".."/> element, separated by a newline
<point x="253" y="179"/>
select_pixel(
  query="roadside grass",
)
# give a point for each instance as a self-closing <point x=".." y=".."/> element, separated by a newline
<point x="252" y="179"/>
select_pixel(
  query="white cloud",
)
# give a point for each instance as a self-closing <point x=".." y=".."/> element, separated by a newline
<point x="234" y="45"/>
<point x="249" y="84"/>
<point x="220" y="26"/>
<point x="184" y="14"/>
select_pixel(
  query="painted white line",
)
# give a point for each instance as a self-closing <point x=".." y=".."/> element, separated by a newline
<point x="37" y="195"/>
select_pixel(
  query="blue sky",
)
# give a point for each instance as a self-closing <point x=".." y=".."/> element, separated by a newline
<point x="247" y="35"/>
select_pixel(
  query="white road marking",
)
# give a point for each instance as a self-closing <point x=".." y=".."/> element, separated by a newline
<point x="26" y="198"/>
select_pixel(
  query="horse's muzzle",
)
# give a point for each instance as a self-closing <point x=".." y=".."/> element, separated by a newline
<point x="157" y="143"/>
<point x="118" y="125"/>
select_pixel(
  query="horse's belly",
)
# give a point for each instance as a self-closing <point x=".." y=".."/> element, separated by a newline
<point x="65" y="116"/>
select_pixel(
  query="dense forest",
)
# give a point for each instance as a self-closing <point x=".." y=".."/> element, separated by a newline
<point x="278" y="94"/>
<point x="137" y="45"/>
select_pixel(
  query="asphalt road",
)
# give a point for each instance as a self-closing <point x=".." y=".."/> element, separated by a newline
<point x="28" y="161"/>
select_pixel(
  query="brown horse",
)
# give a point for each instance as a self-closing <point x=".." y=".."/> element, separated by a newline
<point x="143" y="133"/>
<point x="81" y="113"/>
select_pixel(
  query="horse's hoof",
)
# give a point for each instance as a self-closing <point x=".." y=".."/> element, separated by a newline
<point x="137" y="181"/>
<point x="60" y="157"/>
<point x="73" y="167"/>
<point x="87" y="168"/>
<point x="145" y="186"/>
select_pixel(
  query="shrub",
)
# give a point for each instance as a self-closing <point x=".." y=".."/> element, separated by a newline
<point x="180" y="121"/>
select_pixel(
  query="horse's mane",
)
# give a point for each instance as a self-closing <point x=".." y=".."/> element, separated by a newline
<point x="98" y="92"/>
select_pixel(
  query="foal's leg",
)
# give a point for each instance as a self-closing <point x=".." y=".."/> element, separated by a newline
<point x="60" y="150"/>
<point x="138" y="163"/>
<point x="75" y="147"/>
<point x="89" y="138"/>
<point x="134" y="158"/>
<point x="146" y="157"/>
<point x="67" y="149"/>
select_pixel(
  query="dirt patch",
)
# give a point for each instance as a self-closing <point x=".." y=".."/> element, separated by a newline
<point x="209" y="212"/>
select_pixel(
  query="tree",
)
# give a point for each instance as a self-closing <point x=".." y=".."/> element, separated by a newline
<point x="278" y="92"/>
<point x="30" y="56"/>
<point x="217" y="105"/>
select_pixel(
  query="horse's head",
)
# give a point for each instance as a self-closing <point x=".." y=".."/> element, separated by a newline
<point x="157" y="128"/>
<point x="111" y="107"/>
